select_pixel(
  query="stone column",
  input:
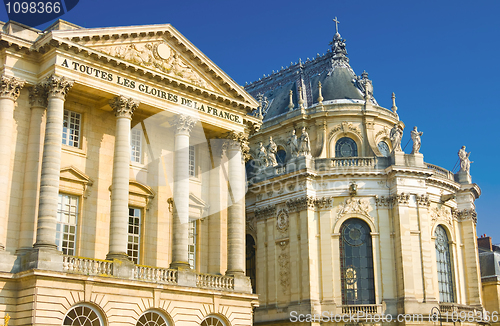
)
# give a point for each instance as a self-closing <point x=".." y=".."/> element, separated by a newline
<point x="123" y="108"/>
<point x="10" y="88"/>
<point x="236" y="211"/>
<point x="183" y="126"/>
<point x="38" y="102"/>
<point x="57" y="88"/>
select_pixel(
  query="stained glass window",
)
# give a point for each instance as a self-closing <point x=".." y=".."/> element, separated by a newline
<point x="346" y="147"/>
<point x="356" y="265"/>
<point x="445" y="278"/>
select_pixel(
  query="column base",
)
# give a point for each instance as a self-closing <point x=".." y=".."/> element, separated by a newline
<point x="8" y="262"/>
<point x="117" y="255"/>
<point x="180" y="265"/>
<point x="48" y="258"/>
<point x="242" y="283"/>
<point x="45" y="245"/>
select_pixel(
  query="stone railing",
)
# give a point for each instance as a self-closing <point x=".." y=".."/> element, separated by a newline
<point x="453" y="307"/>
<point x="154" y="274"/>
<point x="347" y="163"/>
<point x="87" y="266"/>
<point x="440" y="171"/>
<point x="218" y="282"/>
<point x="366" y="309"/>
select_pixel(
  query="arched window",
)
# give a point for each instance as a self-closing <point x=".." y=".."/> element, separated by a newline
<point x="83" y="315"/>
<point x="445" y="279"/>
<point x="356" y="264"/>
<point x="250" y="261"/>
<point x="212" y="321"/>
<point x="152" y="318"/>
<point x="281" y="155"/>
<point x="346" y="147"/>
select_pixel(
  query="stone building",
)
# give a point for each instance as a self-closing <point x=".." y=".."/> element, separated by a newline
<point x="343" y="220"/>
<point x="122" y="180"/>
<point x="489" y="259"/>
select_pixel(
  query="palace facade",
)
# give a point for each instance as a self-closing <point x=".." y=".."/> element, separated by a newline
<point x="343" y="220"/>
<point x="123" y="185"/>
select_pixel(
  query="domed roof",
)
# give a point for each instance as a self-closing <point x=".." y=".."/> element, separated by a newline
<point x="332" y="70"/>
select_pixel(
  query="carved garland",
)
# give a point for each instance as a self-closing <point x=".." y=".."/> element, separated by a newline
<point x="346" y="127"/>
<point x="284" y="266"/>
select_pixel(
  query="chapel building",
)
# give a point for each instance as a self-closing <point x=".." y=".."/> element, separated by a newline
<point x="342" y="219"/>
<point x="122" y="198"/>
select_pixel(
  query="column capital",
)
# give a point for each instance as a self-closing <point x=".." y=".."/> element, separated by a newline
<point x="38" y="95"/>
<point x="124" y="107"/>
<point x="58" y="86"/>
<point x="237" y="139"/>
<point x="10" y="87"/>
<point x="184" y="124"/>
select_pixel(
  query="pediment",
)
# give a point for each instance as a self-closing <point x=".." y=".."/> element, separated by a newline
<point x="198" y="207"/>
<point x="72" y="174"/>
<point x="160" y="49"/>
<point x="139" y="189"/>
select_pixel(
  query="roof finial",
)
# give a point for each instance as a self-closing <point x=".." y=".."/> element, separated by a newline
<point x="394" y="107"/>
<point x="320" y="96"/>
<point x="336" y="25"/>
<point x="290" y="105"/>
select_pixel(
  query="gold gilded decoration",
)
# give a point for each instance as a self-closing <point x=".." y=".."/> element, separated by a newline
<point x="157" y="56"/>
<point x="6" y="320"/>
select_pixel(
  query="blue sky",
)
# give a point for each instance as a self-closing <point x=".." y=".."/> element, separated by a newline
<point x="439" y="57"/>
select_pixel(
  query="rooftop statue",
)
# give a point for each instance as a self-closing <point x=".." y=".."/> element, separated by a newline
<point x="396" y="135"/>
<point x="272" y="149"/>
<point x="304" y="146"/>
<point x="464" y="160"/>
<point x="415" y="136"/>
<point x="262" y="156"/>
<point x="293" y="143"/>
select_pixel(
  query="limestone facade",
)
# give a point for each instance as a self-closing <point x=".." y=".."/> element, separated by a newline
<point x="343" y="183"/>
<point x="122" y="171"/>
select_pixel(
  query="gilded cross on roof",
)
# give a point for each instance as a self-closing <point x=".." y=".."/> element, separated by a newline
<point x="336" y="24"/>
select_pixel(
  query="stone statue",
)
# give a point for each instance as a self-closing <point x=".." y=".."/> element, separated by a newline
<point x="464" y="160"/>
<point x="304" y="146"/>
<point x="272" y="149"/>
<point x="262" y="155"/>
<point x="396" y="135"/>
<point x="293" y="143"/>
<point x="415" y="136"/>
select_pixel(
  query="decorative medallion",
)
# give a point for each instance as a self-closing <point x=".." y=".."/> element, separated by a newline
<point x="282" y="221"/>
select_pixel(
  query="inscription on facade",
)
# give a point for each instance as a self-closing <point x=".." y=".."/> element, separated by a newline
<point x="149" y="90"/>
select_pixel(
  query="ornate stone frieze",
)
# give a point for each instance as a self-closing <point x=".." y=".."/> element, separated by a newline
<point x="123" y="107"/>
<point x="384" y="133"/>
<point x="265" y="212"/>
<point x="323" y="202"/>
<point x="284" y="266"/>
<point x="38" y="96"/>
<point x="242" y="140"/>
<point x="402" y="198"/>
<point x="354" y="205"/>
<point x="58" y="86"/>
<point x="423" y="200"/>
<point x="282" y="221"/>
<point x="443" y="213"/>
<point x="467" y="214"/>
<point x="344" y="128"/>
<point x="291" y="187"/>
<point x="270" y="193"/>
<point x="184" y="124"/>
<point x="10" y="87"/>
<point x="383" y="201"/>
<point x="156" y="56"/>
<point x="300" y="203"/>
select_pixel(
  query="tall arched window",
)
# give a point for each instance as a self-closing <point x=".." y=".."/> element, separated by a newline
<point x="445" y="278"/>
<point x="346" y="147"/>
<point x="356" y="263"/>
<point x="83" y="314"/>
<point x="250" y="261"/>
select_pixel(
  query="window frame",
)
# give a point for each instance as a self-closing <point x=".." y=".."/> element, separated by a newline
<point x="449" y="274"/>
<point x="60" y="223"/>
<point x="138" y="236"/>
<point x="192" y="161"/>
<point x="67" y="130"/>
<point x="193" y="234"/>
<point x="140" y="145"/>
<point x="338" y="149"/>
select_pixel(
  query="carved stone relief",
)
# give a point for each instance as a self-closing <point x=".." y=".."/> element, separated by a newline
<point x="265" y="212"/>
<point x="354" y="205"/>
<point x="442" y="213"/>
<point x="156" y="56"/>
<point x="284" y="266"/>
<point x="422" y="200"/>
<point x="282" y="221"/>
<point x="346" y="127"/>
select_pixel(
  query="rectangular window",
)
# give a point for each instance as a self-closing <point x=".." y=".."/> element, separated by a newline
<point x="67" y="219"/>
<point x="134" y="234"/>
<point x="135" y="146"/>
<point x="191" y="162"/>
<point x="192" y="244"/>
<point x="71" y="128"/>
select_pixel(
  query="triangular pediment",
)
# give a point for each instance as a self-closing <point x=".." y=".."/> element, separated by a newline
<point x="160" y="49"/>
<point x="139" y="189"/>
<point x="71" y="173"/>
